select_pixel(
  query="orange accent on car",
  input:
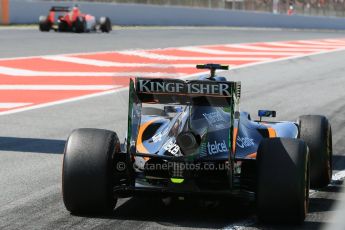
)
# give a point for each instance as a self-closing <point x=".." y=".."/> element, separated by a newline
<point x="271" y="132"/>
<point x="251" y="156"/>
<point x="234" y="138"/>
<point x="140" y="145"/>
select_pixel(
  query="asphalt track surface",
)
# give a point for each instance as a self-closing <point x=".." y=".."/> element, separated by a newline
<point x="31" y="142"/>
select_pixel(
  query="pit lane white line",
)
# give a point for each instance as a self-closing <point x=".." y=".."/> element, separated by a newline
<point x="334" y="41"/>
<point x="39" y="106"/>
<point x="302" y="46"/>
<point x="249" y="53"/>
<point x="150" y="55"/>
<point x="253" y="47"/>
<point x="31" y="73"/>
<point x="93" y="62"/>
<point x="12" y="105"/>
<point x="58" y="87"/>
<point x="285" y="59"/>
<point x="333" y="44"/>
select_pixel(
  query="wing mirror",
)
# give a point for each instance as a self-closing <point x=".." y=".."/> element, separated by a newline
<point x="266" y="113"/>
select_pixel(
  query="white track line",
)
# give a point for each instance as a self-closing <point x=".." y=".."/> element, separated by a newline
<point x="248" y="53"/>
<point x="77" y="60"/>
<point x="301" y="46"/>
<point x="146" y="54"/>
<point x="279" y="49"/>
<point x="58" y="87"/>
<point x="31" y="73"/>
<point x="279" y="60"/>
<point x="321" y="44"/>
<point x="333" y="41"/>
<point x="12" y="105"/>
<point x="39" y="106"/>
<point x="93" y="62"/>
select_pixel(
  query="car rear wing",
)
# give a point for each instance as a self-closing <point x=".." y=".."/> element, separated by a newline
<point x="60" y="9"/>
<point x="174" y="91"/>
<point x="195" y="92"/>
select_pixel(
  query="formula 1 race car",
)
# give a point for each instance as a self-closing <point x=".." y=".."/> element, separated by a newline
<point x="189" y="138"/>
<point x="72" y="20"/>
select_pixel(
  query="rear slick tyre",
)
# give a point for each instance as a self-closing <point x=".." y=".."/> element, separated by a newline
<point x="316" y="131"/>
<point x="87" y="179"/>
<point x="283" y="180"/>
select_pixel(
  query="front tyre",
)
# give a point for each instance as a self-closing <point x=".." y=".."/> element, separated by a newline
<point x="316" y="131"/>
<point x="44" y="24"/>
<point x="87" y="179"/>
<point x="283" y="180"/>
<point x="105" y="24"/>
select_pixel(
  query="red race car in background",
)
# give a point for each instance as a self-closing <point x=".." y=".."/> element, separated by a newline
<point x="65" y="19"/>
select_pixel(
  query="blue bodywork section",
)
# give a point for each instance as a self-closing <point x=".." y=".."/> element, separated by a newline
<point x="213" y="125"/>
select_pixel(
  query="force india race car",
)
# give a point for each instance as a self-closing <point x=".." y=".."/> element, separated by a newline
<point x="188" y="138"/>
<point x="72" y="20"/>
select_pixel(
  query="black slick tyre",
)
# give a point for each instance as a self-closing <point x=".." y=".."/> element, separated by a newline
<point x="282" y="180"/>
<point x="43" y="24"/>
<point x="316" y="132"/>
<point x="105" y="24"/>
<point x="87" y="176"/>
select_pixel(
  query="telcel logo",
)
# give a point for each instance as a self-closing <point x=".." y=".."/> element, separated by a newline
<point x="217" y="147"/>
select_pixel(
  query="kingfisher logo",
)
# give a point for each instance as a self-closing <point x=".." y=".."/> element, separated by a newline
<point x="180" y="87"/>
<point x="216" y="147"/>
